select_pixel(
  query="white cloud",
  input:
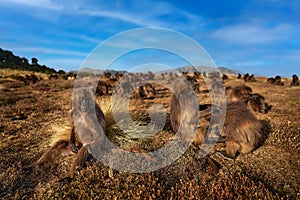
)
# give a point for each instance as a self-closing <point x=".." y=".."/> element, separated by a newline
<point x="47" y="4"/>
<point x="246" y="34"/>
<point x="39" y="50"/>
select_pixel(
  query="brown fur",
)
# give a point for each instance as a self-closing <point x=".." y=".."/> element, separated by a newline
<point x="275" y="81"/>
<point x="295" y="81"/>
<point x="257" y="103"/>
<point x="80" y="134"/>
<point x="183" y="114"/>
<point x="241" y="129"/>
<point x="145" y="91"/>
<point x="195" y="85"/>
<point x="102" y="88"/>
<point x="238" y="93"/>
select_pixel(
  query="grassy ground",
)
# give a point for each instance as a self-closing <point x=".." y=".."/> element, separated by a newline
<point x="31" y="114"/>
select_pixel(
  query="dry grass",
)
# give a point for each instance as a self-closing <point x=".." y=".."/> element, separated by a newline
<point x="30" y="116"/>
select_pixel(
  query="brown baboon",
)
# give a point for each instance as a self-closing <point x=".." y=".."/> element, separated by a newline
<point x="102" y="88"/>
<point x="257" y="103"/>
<point x="225" y="77"/>
<point x="79" y="135"/>
<point x="249" y="78"/>
<point x="277" y="81"/>
<point x="239" y="76"/>
<point x="246" y="77"/>
<point x="183" y="110"/>
<point x="238" y="93"/>
<point x="271" y="80"/>
<point x="295" y="81"/>
<point x="184" y="74"/>
<point x="144" y="91"/>
<point x="195" y="85"/>
<point x="242" y="130"/>
<point x="29" y="79"/>
<point x="107" y="75"/>
<point x="69" y="76"/>
<point x="197" y="75"/>
<point x="53" y="76"/>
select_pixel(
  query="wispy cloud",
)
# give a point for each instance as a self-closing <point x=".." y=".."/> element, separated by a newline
<point x="38" y="50"/>
<point x="46" y="4"/>
<point x="250" y="34"/>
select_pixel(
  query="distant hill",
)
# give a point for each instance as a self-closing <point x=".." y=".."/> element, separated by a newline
<point x="91" y="71"/>
<point x="9" y="60"/>
<point x="223" y="70"/>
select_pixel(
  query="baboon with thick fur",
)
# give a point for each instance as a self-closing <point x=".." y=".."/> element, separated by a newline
<point x="242" y="130"/>
<point x="257" y="103"/>
<point x="238" y="93"/>
<point x="102" y="88"/>
<point x="295" y="81"/>
<point x="80" y="134"/>
<point x="145" y="91"/>
<point x="275" y="81"/>
<point x="183" y="110"/>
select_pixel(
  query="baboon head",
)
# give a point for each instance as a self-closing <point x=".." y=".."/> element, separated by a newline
<point x="102" y="88"/>
<point x="257" y="103"/>
<point x="238" y="93"/>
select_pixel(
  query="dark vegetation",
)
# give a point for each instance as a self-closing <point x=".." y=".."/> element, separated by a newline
<point x="9" y="60"/>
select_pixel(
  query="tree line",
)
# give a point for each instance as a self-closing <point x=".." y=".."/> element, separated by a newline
<point x="9" y="60"/>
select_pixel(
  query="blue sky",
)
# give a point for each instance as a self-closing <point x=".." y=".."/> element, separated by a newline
<point x="255" y="36"/>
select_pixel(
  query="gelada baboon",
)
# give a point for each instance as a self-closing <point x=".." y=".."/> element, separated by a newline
<point x="257" y="103"/>
<point x="225" y="77"/>
<point x="238" y="93"/>
<point x="194" y="83"/>
<point x="295" y="81"/>
<point x="145" y="91"/>
<point x="183" y="110"/>
<point x="102" y="88"/>
<point x="242" y="130"/>
<point x="84" y="130"/>
<point x="275" y="81"/>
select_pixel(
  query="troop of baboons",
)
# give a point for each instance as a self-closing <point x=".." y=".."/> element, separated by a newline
<point x="275" y="81"/>
<point x="249" y="78"/>
<point x="242" y="131"/>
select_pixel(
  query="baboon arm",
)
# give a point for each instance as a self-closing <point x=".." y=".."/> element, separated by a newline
<point x="205" y="113"/>
<point x="55" y="151"/>
<point x="73" y="141"/>
<point x="80" y="159"/>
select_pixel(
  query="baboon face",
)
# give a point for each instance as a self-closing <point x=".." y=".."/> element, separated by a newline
<point x="225" y="77"/>
<point x="238" y="93"/>
<point x="258" y="104"/>
<point x="102" y="88"/>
